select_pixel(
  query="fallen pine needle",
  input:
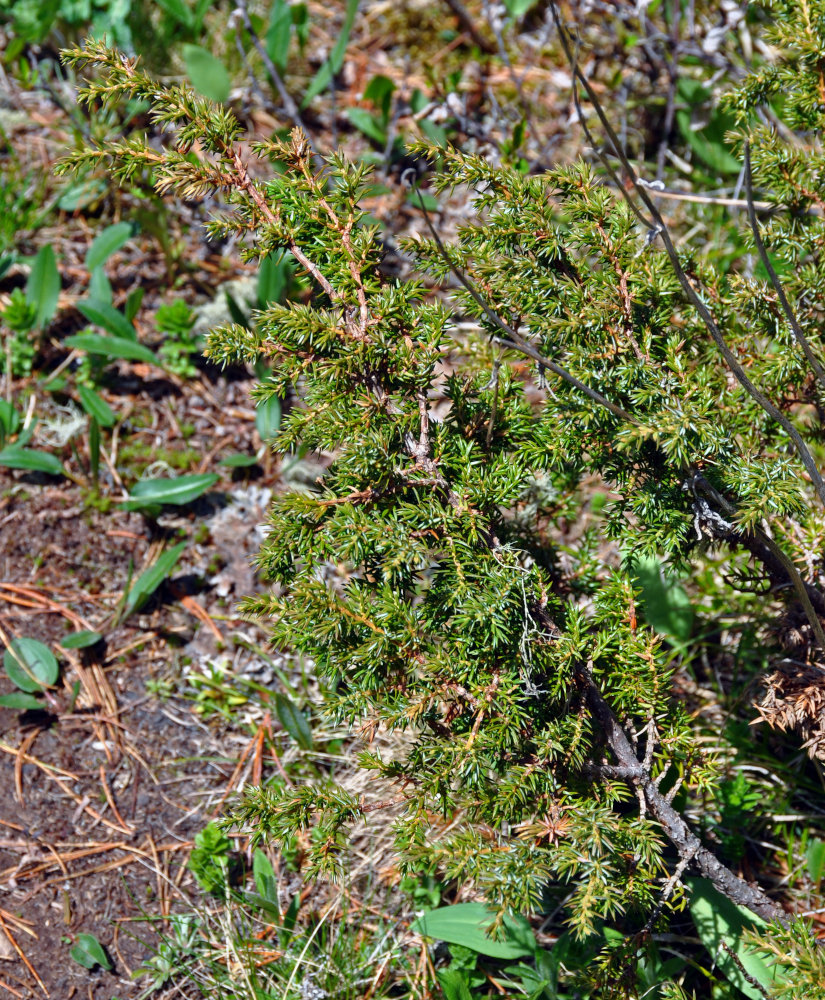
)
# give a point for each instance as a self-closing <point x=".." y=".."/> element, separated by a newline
<point x="22" y="954"/>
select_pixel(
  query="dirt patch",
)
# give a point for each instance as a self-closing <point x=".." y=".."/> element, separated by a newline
<point x="105" y="789"/>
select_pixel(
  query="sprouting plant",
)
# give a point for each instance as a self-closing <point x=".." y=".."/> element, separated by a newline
<point x="546" y="750"/>
<point x="175" y="320"/>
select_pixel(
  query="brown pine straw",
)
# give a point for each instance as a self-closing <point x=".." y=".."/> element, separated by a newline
<point x="5" y="928"/>
<point x="132" y="854"/>
<point x="26" y="926"/>
<point x="25" y="745"/>
<point x="194" y="608"/>
<point x="49" y="769"/>
<point x="37" y="599"/>
<point x="111" y="800"/>
<point x="11" y="989"/>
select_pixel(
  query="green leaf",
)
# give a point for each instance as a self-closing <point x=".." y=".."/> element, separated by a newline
<point x="335" y="61"/>
<point x="454" y="984"/>
<point x="720" y="922"/>
<point x="273" y="277"/>
<point x="133" y="301"/>
<point x="294" y="721"/>
<point x="517" y="8"/>
<point x="666" y="605"/>
<point x="15" y="457"/>
<point x="43" y="286"/>
<point x="82" y="193"/>
<point x="429" y="201"/>
<point x="379" y="91"/>
<point x="239" y="461"/>
<point x="111" y="347"/>
<point x="264" y="874"/>
<point x="100" y="288"/>
<point x="465" y="924"/>
<point x="367" y="123"/>
<point x="107" y="242"/>
<point x="89" y="952"/>
<point x="104" y="315"/>
<point x="9" y="417"/>
<point x="815" y="859"/>
<point x="268" y="417"/>
<point x="178" y="491"/>
<point x="30" y="665"/>
<point x="81" y="640"/>
<point x="149" y="581"/>
<point x="709" y="142"/>
<point x="21" y="701"/>
<point x="278" y="33"/>
<point x="96" y="406"/>
<point x="207" y="73"/>
<point x="435" y="133"/>
<point x="178" y="11"/>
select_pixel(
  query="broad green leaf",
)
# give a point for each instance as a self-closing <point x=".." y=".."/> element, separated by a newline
<point x="436" y="134"/>
<point x="465" y="924"/>
<point x="82" y="193"/>
<point x="100" y="288"/>
<point x="815" y="859"/>
<point x="517" y="8"/>
<point x="9" y="417"/>
<point x="268" y="417"/>
<point x="30" y="665"/>
<point x="133" y="301"/>
<point x="15" y="457"/>
<point x="239" y="461"/>
<point x="96" y="406"/>
<point x="709" y="143"/>
<point x="419" y="198"/>
<point x="21" y="701"/>
<point x="207" y="73"/>
<point x="111" y="347"/>
<point x="108" y="242"/>
<point x="380" y="90"/>
<point x="149" y="581"/>
<point x="294" y="721"/>
<point x="178" y="11"/>
<point x="367" y="123"/>
<point x="279" y="32"/>
<point x="666" y="605"/>
<point x="43" y="286"/>
<point x="265" y="881"/>
<point x="89" y="952"/>
<point x="81" y="640"/>
<point x="273" y="277"/>
<point x="104" y="315"/>
<point x="335" y="61"/>
<point x="720" y="922"/>
<point x="177" y="491"/>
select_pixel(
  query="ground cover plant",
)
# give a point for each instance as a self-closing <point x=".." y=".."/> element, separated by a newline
<point x="546" y="544"/>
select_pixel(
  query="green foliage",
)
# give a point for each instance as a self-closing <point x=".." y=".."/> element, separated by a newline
<point x="175" y="320"/>
<point x="544" y="755"/>
<point x="211" y="859"/>
<point x="149" y="581"/>
<point x="32" y="668"/>
<point x="89" y="952"/>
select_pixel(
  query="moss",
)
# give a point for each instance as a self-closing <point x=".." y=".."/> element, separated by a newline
<point x="138" y="453"/>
